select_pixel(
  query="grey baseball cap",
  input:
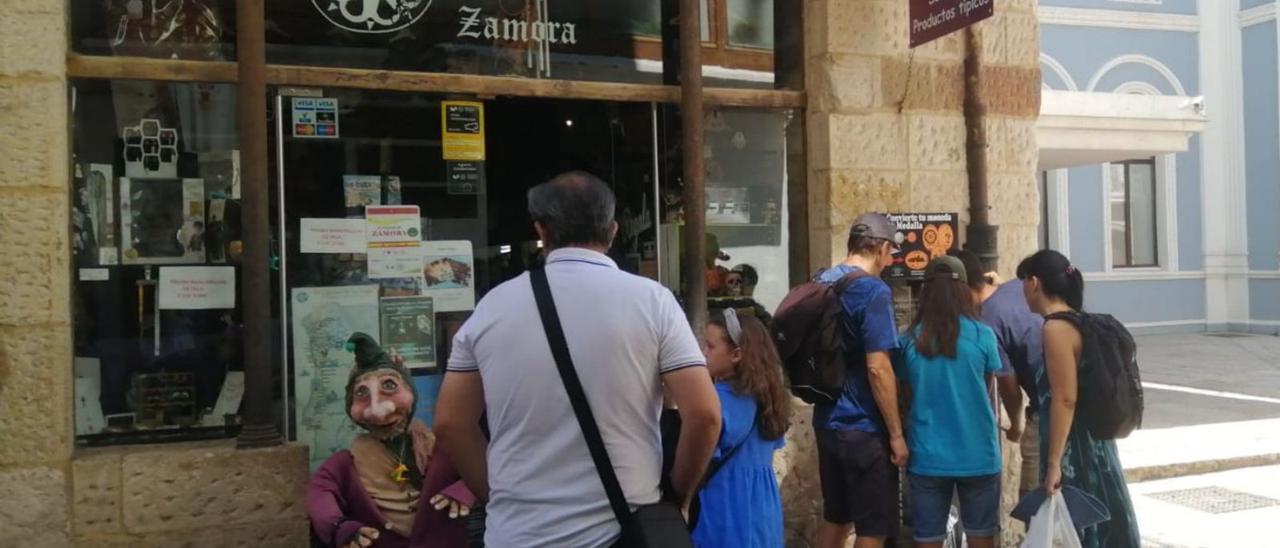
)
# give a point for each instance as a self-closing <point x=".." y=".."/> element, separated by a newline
<point x="947" y="266"/>
<point x="875" y="225"/>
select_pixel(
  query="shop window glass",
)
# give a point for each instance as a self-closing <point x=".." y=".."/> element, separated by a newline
<point x="389" y="149"/>
<point x="750" y="23"/>
<point x="1133" y="214"/>
<point x="155" y="238"/>
<point x="745" y="155"/>
<point x="194" y="30"/>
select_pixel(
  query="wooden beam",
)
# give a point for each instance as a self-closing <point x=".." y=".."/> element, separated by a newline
<point x="259" y="428"/>
<point x="142" y="68"/>
<point x="138" y="68"/>
<point x="695" y="174"/>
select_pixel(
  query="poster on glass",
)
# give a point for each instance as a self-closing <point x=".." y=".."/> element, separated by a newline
<point x="323" y="319"/>
<point x="162" y="221"/>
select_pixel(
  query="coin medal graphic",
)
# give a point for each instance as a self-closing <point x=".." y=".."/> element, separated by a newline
<point x="372" y="16"/>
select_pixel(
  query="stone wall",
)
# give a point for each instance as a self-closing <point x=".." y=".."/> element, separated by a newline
<point x="190" y="494"/>
<point x="886" y="132"/>
<point x="206" y="494"/>
<point x="35" y="318"/>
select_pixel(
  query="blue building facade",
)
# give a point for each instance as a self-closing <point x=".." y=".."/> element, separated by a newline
<point x="1160" y="158"/>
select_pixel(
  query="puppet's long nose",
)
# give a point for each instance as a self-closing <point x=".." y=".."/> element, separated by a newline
<point x="380" y="409"/>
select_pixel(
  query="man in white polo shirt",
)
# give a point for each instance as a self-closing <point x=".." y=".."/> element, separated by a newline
<point x="628" y="339"/>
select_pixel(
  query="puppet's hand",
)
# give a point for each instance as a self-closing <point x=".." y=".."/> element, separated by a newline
<point x="363" y="538"/>
<point x="424" y="443"/>
<point x="396" y="358"/>
<point x="456" y="509"/>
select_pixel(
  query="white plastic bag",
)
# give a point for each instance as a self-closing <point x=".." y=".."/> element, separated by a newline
<point x="1051" y="527"/>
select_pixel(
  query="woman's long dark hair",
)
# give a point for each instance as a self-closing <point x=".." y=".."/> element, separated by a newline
<point x="943" y="301"/>
<point x="759" y="375"/>
<point x="1057" y="277"/>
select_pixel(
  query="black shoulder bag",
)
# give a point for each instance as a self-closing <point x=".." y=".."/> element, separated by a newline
<point x="650" y="526"/>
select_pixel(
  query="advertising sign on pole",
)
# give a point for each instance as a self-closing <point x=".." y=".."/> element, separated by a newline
<point x="923" y="237"/>
<point x="933" y="19"/>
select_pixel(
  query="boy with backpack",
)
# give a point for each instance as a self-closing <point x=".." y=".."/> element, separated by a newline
<point x="835" y="336"/>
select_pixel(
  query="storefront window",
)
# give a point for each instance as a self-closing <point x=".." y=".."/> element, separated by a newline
<point x="751" y="23"/>
<point x="193" y="30"/>
<point x="468" y="208"/>
<point x="745" y="155"/>
<point x="155" y="237"/>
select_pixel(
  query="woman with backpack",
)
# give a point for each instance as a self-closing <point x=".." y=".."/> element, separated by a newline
<point x="740" y="505"/>
<point x="1071" y="455"/>
<point x="948" y="358"/>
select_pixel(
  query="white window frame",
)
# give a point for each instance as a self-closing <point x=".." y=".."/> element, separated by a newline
<point x="1058" y="221"/>
<point x="1166" y="175"/>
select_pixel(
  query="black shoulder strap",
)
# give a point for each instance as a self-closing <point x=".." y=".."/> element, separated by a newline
<point x="716" y="466"/>
<point x="578" y="397"/>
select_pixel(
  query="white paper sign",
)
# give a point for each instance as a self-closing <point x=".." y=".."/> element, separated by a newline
<point x="228" y="400"/>
<point x="94" y="274"/>
<point x="448" y="272"/>
<point x="394" y="235"/>
<point x="197" y="287"/>
<point x="88" y="386"/>
<point x="333" y="236"/>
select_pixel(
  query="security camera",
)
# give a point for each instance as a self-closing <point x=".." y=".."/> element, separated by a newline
<point x="1196" y="104"/>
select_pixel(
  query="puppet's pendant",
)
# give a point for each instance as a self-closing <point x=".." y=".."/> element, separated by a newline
<point x="400" y="474"/>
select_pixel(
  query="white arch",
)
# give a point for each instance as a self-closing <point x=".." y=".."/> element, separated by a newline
<point x="1138" y="59"/>
<point x="1057" y="68"/>
<point x="1136" y="87"/>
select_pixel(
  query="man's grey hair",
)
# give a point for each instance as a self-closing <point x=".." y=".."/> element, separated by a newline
<point x="576" y="208"/>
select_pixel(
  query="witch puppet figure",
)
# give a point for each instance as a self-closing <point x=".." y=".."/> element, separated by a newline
<point x="393" y="488"/>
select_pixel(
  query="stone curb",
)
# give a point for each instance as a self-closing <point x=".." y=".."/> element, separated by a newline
<point x="1181" y="469"/>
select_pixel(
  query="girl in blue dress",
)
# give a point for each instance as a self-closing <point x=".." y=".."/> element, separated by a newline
<point x="740" y="503"/>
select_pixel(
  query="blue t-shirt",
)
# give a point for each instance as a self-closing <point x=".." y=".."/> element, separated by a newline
<point x="1019" y="334"/>
<point x="951" y="427"/>
<point x="868" y="327"/>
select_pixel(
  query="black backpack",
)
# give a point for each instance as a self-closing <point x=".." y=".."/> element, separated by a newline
<point x="1109" y="392"/>
<point x="806" y="330"/>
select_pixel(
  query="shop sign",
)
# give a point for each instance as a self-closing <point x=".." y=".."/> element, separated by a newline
<point x="921" y="237"/>
<point x="933" y="19"/>
<point x="394" y="235"/>
<point x="472" y="25"/>
<point x="462" y="128"/>
<point x="315" y="118"/>
<point x="372" y="16"/>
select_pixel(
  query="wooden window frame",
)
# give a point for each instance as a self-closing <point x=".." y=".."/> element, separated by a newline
<point x="167" y="70"/>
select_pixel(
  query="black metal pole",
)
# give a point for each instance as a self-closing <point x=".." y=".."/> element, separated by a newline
<point x="981" y="237"/>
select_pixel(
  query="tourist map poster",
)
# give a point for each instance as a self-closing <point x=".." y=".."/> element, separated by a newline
<point x="409" y="327"/>
<point x="323" y="319"/>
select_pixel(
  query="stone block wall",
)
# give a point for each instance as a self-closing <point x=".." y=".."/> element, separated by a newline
<point x="191" y="494"/>
<point x="886" y="123"/>
<point x="182" y="495"/>
<point x="886" y="132"/>
<point x="35" y="318"/>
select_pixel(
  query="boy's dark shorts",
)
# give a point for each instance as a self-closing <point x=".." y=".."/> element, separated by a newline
<point x="859" y="482"/>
